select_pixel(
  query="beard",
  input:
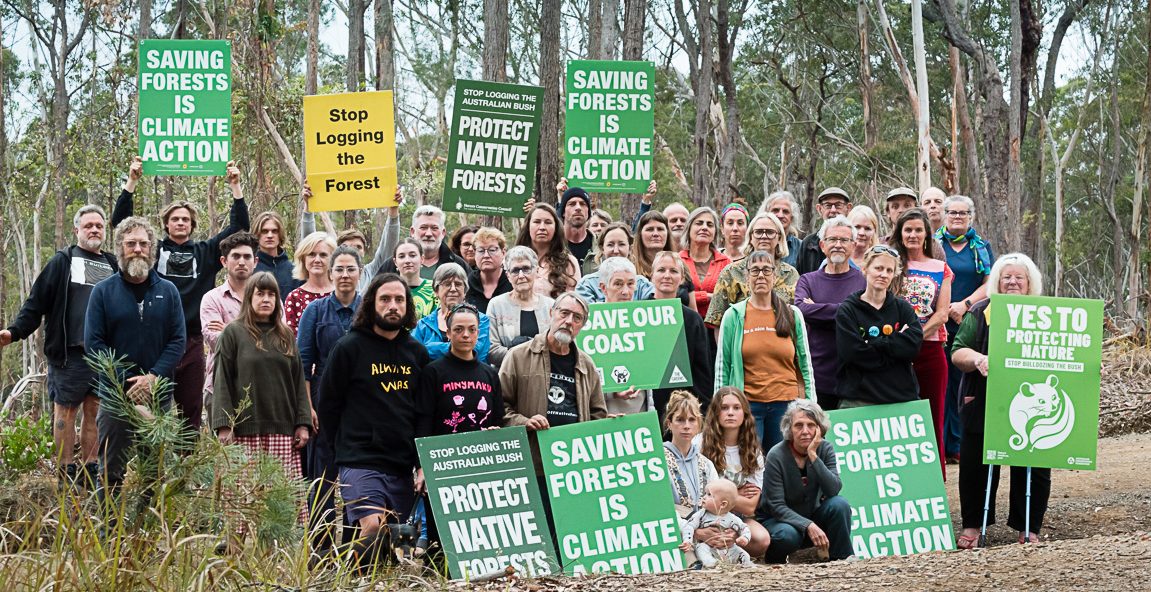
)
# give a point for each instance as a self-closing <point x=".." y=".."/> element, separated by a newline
<point x="562" y="336"/>
<point x="384" y="324"/>
<point x="837" y="258"/>
<point x="137" y="268"/>
<point x="90" y="244"/>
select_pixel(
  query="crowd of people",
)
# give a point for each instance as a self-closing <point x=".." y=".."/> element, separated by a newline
<point x="334" y="365"/>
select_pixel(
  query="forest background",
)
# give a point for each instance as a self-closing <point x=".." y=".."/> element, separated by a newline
<point x="1039" y="111"/>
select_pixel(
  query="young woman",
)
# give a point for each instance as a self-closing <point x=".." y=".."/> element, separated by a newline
<point x="877" y="336"/>
<point x="762" y="350"/>
<point x="407" y="258"/>
<point x="926" y="285"/>
<point x="652" y="237"/>
<point x="519" y="315"/>
<point x="866" y="225"/>
<point x="463" y="244"/>
<point x="704" y="261"/>
<point x="259" y="399"/>
<point x="450" y="284"/>
<point x="730" y="442"/>
<point x="689" y="470"/>
<point x="313" y="256"/>
<point x="733" y="227"/>
<point x="558" y="270"/>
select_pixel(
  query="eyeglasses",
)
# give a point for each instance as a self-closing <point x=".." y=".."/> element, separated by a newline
<point x="520" y="271"/>
<point x="765" y="233"/>
<point x="449" y="284"/>
<point x="131" y="244"/>
<point x="958" y="213"/>
<point x="833" y="204"/>
<point x="885" y="250"/>
<point x="488" y="251"/>
<point x="760" y="271"/>
<point x="345" y="270"/>
<point x="837" y="239"/>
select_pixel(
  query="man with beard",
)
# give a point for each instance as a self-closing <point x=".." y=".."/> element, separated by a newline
<point x="192" y="267"/>
<point x="137" y="315"/>
<point x="818" y="295"/>
<point x="368" y="409"/>
<point x="61" y="293"/>
<point x="574" y="209"/>
<point x="221" y="305"/>
<point x="831" y="202"/>
<point x="428" y="230"/>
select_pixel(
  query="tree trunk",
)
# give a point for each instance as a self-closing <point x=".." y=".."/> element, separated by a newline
<point x="866" y="88"/>
<point x="495" y="53"/>
<point x="964" y="152"/>
<point x="634" y="15"/>
<point x="385" y="50"/>
<point x="922" y="169"/>
<point x="609" y="38"/>
<point x="701" y="73"/>
<point x="551" y="74"/>
<point x="595" y="29"/>
<point x="145" y="19"/>
<point x="356" y="41"/>
<point x="727" y="31"/>
<point x="1137" y="290"/>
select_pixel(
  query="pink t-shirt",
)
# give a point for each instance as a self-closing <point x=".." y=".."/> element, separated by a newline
<point x="921" y="289"/>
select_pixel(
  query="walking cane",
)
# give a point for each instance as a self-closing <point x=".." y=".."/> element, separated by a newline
<point x="986" y="508"/>
<point x="1027" y="511"/>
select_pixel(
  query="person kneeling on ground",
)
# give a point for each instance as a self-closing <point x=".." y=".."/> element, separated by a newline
<point x="801" y="505"/>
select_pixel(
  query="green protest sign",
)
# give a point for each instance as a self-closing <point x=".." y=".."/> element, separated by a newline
<point x="889" y="464"/>
<point x="609" y="125"/>
<point x="639" y="344"/>
<point x="492" y="152"/>
<point x="611" y="496"/>
<point x="185" y="124"/>
<point x="1044" y="360"/>
<point x="486" y="501"/>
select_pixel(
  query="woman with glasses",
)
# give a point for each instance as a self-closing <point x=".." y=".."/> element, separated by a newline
<point x="866" y="225"/>
<point x="766" y="234"/>
<point x="450" y="284"/>
<point x="463" y="244"/>
<point x="407" y="259"/>
<point x="762" y="350"/>
<point x="970" y="259"/>
<point x="488" y="279"/>
<point x="926" y="285"/>
<point x="877" y="336"/>
<point x="519" y="315"/>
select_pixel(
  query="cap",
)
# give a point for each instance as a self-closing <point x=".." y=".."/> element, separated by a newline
<point x="832" y="192"/>
<point x="902" y="192"/>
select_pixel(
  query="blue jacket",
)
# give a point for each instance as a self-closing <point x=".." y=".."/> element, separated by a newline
<point x="323" y="323"/>
<point x="428" y="333"/>
<point x="150" y="335"/>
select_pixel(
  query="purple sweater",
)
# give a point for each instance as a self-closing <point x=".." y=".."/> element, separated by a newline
<point x="827" y="291"/>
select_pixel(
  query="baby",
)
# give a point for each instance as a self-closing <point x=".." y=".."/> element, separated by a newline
<point x="717" y="503"/>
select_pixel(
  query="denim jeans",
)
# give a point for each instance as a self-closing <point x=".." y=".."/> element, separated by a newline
<point x="767" y="417"/>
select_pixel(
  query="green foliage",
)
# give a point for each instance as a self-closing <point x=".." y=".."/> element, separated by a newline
<point x="25" y="443"/>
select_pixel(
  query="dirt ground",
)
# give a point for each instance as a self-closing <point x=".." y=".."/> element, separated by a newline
<point x="1095" y="537"/>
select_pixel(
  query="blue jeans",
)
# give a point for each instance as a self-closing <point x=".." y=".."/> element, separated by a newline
<point x="833" y="517"/>
<point x="767" y="417"/>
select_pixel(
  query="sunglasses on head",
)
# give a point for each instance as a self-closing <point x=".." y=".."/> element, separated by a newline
<point x="885" y="250"/>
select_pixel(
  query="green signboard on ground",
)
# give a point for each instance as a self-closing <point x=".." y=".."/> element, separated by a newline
<point x="889" y="464"/>
<point x="492" y="153"/>
<point x="486" y="501"/>
<point x="611" y="496"/>
<point x="609" y="125"/>
<point x="638" y="344"/>
<point x="1044" y="360"/>
<point x="185" y="124"/>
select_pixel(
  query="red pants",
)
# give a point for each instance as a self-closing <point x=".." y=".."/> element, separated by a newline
<point x="931" y="372"/>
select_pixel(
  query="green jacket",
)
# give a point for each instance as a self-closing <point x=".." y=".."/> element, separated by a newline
<point x="729" y="353"/>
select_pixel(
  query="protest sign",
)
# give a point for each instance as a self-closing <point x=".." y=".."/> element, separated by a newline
<point x="611" y="496"/>
<point x="638" y="344"/>
<point x="185" y="116"/>
<point x="609" y="125"/>
<point x="350" y="146"/>
<point x="492" y="153"/>
<point x="486" y="501"/>
<point x="889" y="464"/>
<point x="1043" y="366"/>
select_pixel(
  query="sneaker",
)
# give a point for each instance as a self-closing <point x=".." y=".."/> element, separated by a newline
<point x="952" y="459"/>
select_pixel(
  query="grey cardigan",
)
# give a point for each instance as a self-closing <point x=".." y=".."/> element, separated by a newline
<point x="504" y="325"/>
<point x="785" y="497"/>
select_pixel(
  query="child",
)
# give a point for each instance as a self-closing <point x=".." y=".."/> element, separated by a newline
<point x="716" y="511"/>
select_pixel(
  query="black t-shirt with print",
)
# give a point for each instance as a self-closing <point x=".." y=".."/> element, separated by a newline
<point x="562" y="408"/>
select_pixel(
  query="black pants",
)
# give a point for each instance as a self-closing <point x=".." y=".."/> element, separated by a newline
<point x="973" y="487"/>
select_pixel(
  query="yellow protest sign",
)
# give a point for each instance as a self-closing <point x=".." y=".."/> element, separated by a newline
<point x="350" y="145"/>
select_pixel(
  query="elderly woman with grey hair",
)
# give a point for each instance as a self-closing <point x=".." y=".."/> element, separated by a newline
<point x="801" y="505"/>
<point x="782" y="204"/>
<point x="1016" y="274"/>
<point x="519" y="315"/>
<point x="450" y="283"/>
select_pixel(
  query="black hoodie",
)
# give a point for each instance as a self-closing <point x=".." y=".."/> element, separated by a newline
<point x="874" y="367"/>
<point x="368" y="408"/>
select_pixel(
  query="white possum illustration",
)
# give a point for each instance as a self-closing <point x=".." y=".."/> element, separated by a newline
<point x="1041" y="415"/>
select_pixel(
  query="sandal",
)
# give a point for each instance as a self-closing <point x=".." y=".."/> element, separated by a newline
<point x="1033" y="538"/>
<point x="968" y="541"/>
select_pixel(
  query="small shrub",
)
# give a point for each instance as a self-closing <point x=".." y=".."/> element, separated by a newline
<point x="24" y="444"/>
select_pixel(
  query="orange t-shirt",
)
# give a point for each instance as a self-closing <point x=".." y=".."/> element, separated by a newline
<point x="769" y="366"/>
